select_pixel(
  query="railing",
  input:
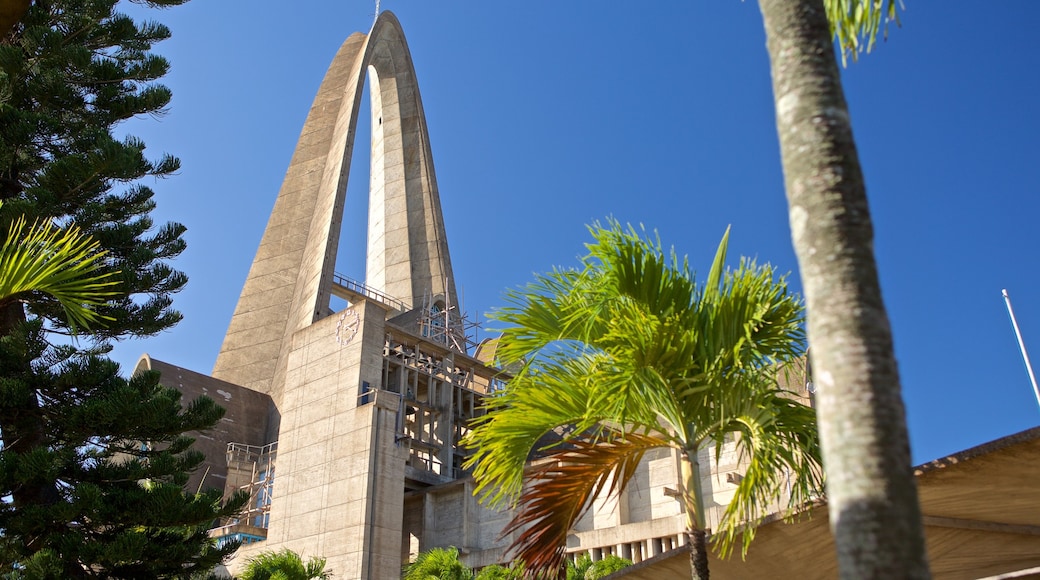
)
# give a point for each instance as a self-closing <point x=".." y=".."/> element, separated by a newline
<point x="236" y="531"/>
<point x="255" y="453"/>
<point x="369" y="292"/>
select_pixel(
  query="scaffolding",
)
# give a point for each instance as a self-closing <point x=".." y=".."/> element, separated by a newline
<point x="251" y="469"/>
<point x="439" y="320"/>
<point x="440" y="393"/>
<point x="442" y="322"/>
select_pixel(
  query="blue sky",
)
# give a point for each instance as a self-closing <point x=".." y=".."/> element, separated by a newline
<point x="545" y="116"/>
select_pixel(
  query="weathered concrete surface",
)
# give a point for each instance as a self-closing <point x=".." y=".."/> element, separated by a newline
<point x="339" y="489"/>
<point x="288" y="286"/>
<point x="341" y="466"/>
<point x="244" y="421"/>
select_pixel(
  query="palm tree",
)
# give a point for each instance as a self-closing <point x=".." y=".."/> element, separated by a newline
<point x="284" y="565"/>
<point x="873" y="506"/>
<point x="437" y="564"/>
<point x="629" y="354"/>
<point x="43" y="259"/>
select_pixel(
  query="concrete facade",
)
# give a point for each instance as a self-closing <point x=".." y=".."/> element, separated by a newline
<point x="290" y="283"/>
<point x="345" y="425"/>
<point x="367" y="403"/>
<point x="244" y="421"/>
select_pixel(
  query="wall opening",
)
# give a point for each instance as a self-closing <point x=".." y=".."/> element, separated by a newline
<point x="353" y="235"/>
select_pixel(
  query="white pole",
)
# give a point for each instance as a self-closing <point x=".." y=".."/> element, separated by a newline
<point x="1021" y="345"/>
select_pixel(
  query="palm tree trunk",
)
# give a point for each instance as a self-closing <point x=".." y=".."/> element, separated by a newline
<point x="874" y="511"/>
<point x="698" y="542"/>
<point x="693" y="505"/>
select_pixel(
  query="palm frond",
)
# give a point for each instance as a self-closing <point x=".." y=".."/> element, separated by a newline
<point x="567" y="393"/>
<point x="717" y="266"/>
<point x="284" y="564"/>
<point x="626" y="264"/>
<point x="554" y="308"/>
<point x="560" y="489"/>
<point x="855" y="24"/>
<point x="438" y="564"/>
<point x="550" y="393"/>
<point x="63" y="263"/>
<point x="777" y="436"/>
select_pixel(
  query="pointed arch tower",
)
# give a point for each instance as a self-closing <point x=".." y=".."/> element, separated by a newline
<point x="369" y="402"/>
<point x="292" y="277"/>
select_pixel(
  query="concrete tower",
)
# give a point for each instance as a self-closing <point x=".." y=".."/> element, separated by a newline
<point x="292" y="277"/>
<point x="367" y="403"/>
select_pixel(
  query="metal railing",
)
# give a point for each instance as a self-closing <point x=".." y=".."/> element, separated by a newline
<point x="255" y="453"/>
<point x="369" y="292"/>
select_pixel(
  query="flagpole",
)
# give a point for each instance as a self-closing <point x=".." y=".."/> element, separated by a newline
<point x="1021" y="345"/>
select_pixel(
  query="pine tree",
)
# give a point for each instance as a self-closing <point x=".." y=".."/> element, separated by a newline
<point x="92" y="465"/>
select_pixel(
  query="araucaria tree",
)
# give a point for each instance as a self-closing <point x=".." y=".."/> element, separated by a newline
<point x="874" y="512"/>
<point x="92" y="464"/>
<point x="631" y="353"/>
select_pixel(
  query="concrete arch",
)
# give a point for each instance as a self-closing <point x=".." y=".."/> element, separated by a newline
<point x="289" y="284"/>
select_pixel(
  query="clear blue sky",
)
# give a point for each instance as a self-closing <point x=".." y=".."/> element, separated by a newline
<point x="545" y="116"/>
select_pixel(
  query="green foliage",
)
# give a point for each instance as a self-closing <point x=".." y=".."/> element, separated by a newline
<point x="444" y="564"/>
<point x="855" y="24"/>
<point x="437" y="564"/>
<point x="70" y="72"/>
<point x="284" y="565"/>
<point x="576" y="570"/>
<point x="585" y="569"/>
<point x="87" y="494"/>
<point x="43" y="259"/>
<point x="496" y="572"/>
<point x="607" y="566"/>
<point x="629" y="353"/>
<point x="499" y="572"/>
<point x="92" y="465"/>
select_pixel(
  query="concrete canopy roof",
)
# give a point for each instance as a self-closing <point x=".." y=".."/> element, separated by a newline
<point x="981" y="512"/>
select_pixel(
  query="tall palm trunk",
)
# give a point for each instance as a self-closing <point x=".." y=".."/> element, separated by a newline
<point x="693" y="505"/>
<point x="874" y="512"/>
